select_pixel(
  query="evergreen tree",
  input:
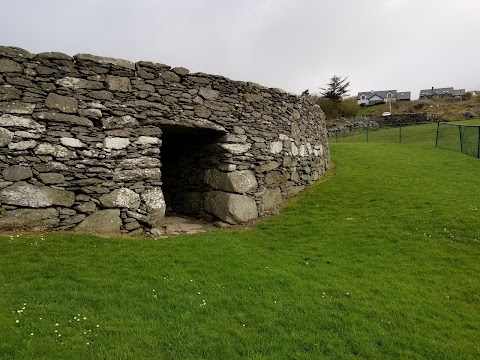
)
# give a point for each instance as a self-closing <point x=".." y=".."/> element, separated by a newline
<point x="336" y="89"/>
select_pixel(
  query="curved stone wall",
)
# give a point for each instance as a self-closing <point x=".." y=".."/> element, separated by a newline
<point x="98" y="144"/>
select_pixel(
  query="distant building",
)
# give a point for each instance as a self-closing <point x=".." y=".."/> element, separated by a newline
<point x="382" y="96"/>
<point x="440" y="93"/>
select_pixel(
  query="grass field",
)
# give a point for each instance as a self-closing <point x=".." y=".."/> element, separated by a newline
<point x="380" y="261"/>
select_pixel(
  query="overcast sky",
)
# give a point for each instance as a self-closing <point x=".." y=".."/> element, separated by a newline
<point x="295" y="45"/>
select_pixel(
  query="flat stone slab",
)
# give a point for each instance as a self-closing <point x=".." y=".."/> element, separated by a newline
<point x="104" y="221"/>
<point x="231" y="208"/>
<point x="24" y="194"/>
<point x="29" y="219"/>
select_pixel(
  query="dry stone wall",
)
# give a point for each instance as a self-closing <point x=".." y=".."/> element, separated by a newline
<point x="96" y="144"/>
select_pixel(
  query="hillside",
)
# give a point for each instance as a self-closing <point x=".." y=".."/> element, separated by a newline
<point x="447" y="109"/>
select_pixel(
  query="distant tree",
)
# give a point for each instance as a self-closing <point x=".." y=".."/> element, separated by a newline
<point x="336" y="89"/>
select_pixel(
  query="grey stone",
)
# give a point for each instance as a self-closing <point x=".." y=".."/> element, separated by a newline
<point x="208" y="94"/>
<point x="253" y="97"/>
<point x="267" y="167"/>
<point x="101" y="95"/>
<point x="104" y="221"/>
<point x="29" y="219"/>
<point x="116" y="143"/>
<point x="71" y="142"/>
<point x="143" y="162"/>
<point x="146" y="104"/>
<point x="16" y="107"/>
<point x="132" y="226"/>
<point x="272" y="199"/>
<point x="26" y="135"/>
<point x="148" y="140"/>
<point x="276" y="147"/>
<point x="24" y="194"/>
<point x="155" y="205"/>
<point x="51" y="178"/>
<point x="470" y="115"/>
<point x="66" y="104"/>
<point x="87" y="207"/>
<point x="140" y="174"/>
<point x="14" y="52"/>
<point x="9" y="93"/>
<point x="121" y="122"/>
<point x="63" y="118"/>
<point x="231" y="208"/>
<point x="237" y="181"/>
<point x="54" y="56"/>
<point x="236" y="149"/>
<point x="170" y="76"/>
<point x="9" y="66"/>
<point x="202" y="111"/>
<point x="180" y="71"/>
<point x="217" y="106"/>
<point x="6" y="137"/>
<point x="8" y="120"/>
<point x="22" y="145"/>
<point x="118" y="83"/>
<point x="121" y="198"/>
<point x="17" y="173"/>
<point x="57" y="151"/>
<point x="93" y="113"/>
<point x="77" y="83"/>
<point x="75" y="219"/>
<point x="294" y="191"/>
<point x="275" y="178"/>
<point x="105" y="60"/>
<point x="137" y="216"/>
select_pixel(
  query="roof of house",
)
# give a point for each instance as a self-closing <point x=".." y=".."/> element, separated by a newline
<point x="439" y="91"/>
<point x="458" y="92"/>
<point x="404" y="95"/>
<point x="381" y="93"/>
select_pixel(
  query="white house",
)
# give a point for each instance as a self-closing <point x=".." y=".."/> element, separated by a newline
<point x="382" y="96"/>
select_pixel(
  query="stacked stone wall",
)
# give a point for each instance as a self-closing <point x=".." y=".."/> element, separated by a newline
<point x="81" y="144"/>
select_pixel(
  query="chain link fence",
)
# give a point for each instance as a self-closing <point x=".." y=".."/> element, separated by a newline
<point x="455" y="137"/>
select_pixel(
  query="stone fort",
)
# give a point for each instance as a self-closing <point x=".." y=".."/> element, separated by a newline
<point x="97" y="144"/>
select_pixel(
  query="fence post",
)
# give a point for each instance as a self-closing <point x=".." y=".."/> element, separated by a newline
<point x="336" y="136"/>
<point x="478" y="145"/>
<point x="436" y="139"/>
<point x="400" y="134"/>
<point x="461" y="140"/>
<point x="366" y="134"/>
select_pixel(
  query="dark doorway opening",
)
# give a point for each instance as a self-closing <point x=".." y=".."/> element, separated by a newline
<point x="186" y="153"/>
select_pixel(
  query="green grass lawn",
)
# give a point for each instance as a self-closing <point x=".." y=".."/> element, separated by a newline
<point x="380" y="261"/>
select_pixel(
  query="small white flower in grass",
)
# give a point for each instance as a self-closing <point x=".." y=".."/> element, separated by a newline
<point x="57" y="324"/>
<point x="84" y="318"/>
<point x="17" y="321"/>
<point x="98" y="325"/>
<point x="56" y="331"/>
<point x="199" y="293"/>
<point x="59" y="335"/>
<point x="31" y="334"/>
<point x="88" y="343"/>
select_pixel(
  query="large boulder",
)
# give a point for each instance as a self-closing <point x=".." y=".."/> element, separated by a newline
<point x="231" y="208"/>
<point x="121" y="198"/>
<point x="235" y="181"/>
<point x="25" y="194"/>
<point x="17" y="173"/>
<point x="272" y="199"/>
<point x="156" y="206"/>
<point x="66" y="104"/>
<point x="29" y="219"/>
<point x="105" y="221"/>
